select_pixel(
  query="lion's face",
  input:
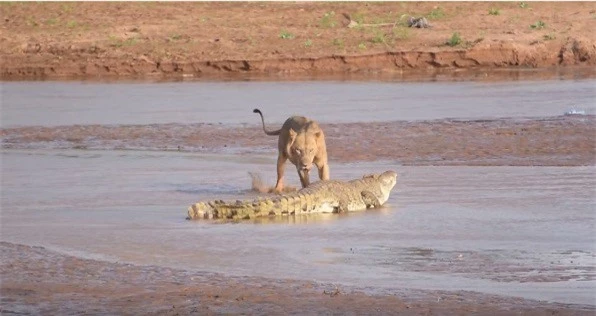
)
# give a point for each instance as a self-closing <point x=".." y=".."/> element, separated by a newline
<point x="303" y="149"/>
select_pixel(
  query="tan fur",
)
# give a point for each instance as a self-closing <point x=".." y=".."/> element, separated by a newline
<point x="301" y="141"/>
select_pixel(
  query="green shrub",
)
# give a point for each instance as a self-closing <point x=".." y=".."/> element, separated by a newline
<point x="454" y="40"/>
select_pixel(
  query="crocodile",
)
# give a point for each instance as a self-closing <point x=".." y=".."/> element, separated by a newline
<point x="326" y="196"/>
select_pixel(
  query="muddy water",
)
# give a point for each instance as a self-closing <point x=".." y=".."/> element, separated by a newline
<point x="519" y="231"/>
<point x="66" y="103"/>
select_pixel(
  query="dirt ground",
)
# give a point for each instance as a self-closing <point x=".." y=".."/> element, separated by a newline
<point x="202" y="39"/>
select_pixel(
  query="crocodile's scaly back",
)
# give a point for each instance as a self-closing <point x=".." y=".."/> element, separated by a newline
<point x="331" y="196"/>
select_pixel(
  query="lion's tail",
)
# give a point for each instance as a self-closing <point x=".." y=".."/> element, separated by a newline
<point x="268" y="132"/>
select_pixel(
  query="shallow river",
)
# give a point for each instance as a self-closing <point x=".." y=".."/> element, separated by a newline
<point x="68" y="103"/>
<point x="519" y="231"/>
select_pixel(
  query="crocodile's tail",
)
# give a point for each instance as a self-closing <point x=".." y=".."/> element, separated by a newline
<point x="268" y="132"/>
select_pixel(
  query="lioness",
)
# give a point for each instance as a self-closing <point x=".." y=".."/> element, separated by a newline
<point x="302" y="141"/>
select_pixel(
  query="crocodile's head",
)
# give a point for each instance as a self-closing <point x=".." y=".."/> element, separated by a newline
<point x="387" y="181"/>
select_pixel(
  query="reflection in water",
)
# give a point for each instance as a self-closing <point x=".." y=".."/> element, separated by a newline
<point x="318" y="218"/>
<point x="297" y="219"/>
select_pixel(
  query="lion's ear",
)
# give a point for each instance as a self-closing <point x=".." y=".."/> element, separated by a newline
<point x="318" y="134"/>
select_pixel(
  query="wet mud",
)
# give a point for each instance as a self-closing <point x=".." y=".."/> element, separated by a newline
<point x="555" y="141"/>
<point x="59" y="284"/>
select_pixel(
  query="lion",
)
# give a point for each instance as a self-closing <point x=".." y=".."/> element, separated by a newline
<point x="301" y="141"/>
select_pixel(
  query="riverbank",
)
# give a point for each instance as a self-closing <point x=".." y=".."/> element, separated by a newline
<point x="91" y="40"/>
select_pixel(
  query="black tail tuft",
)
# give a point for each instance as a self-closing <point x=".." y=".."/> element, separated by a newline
<point x="256" y="111"/>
